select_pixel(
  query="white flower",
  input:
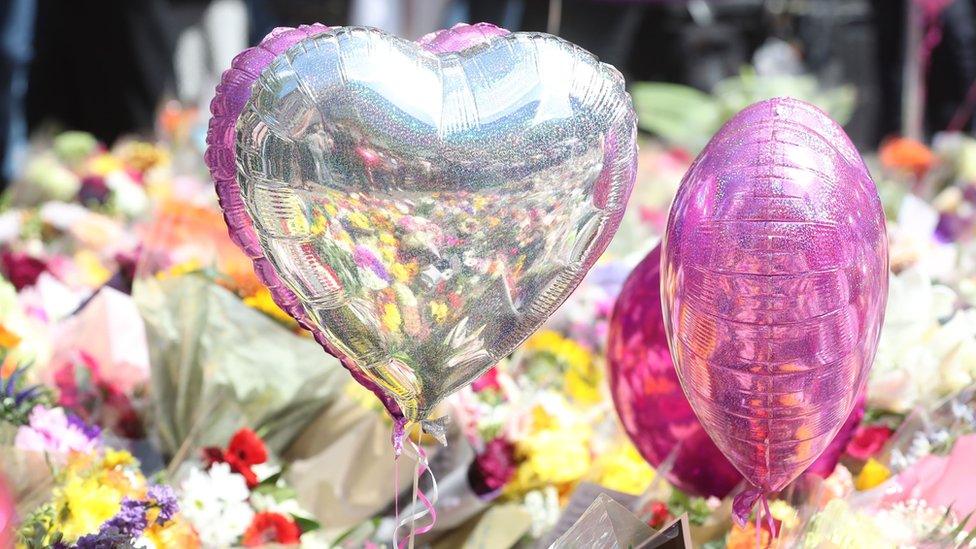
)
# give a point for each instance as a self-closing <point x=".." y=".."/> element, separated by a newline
<point x="919" y="358"/>
<point x="216" y="504"/>
<point x="543" y="506"/>
<point x="128" y="197"/>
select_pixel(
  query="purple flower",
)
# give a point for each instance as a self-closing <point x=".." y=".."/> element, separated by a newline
<point x="130" y="520"/>
<point x="94" y="189"/>
<point x="106" y="538"/>
<point x="165" y="499"/>
<point x="90" y="431"/>
<point x="366" y="259"/>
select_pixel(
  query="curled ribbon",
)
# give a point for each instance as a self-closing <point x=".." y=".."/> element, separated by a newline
<point x="742" y="506"/>
<point x="423" y="466"/>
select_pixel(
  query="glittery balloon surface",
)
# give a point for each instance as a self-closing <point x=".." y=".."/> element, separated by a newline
<point x="775" y="279"/>
<point x="428" y="208"/>
<point x="645" y="388"/>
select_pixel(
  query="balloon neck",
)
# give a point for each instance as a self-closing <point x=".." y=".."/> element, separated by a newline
<point x="436" y="428"/>
<point x="399" y="434"/>
<point x="743" y="504"/>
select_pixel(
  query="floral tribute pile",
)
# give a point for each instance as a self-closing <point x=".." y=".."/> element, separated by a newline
<point x="153" y="395"/>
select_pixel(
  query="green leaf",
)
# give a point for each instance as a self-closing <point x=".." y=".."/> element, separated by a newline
<point x="681" y="115"/>
<point x="306" y="524"/>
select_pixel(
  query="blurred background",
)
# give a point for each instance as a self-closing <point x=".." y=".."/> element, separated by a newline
<point x="107" y="67"/>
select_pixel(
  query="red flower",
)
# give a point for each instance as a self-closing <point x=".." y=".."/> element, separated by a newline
<point x="271" y="528"/>
<point x="21" y="269"/>
<point x="245" y="449"/>
<point x="248" y="447"/>
<point x="868" y="441"/>
<point x="659" y="514"/>
<point x="493" y="467"/>
<point x="211" y="455"/>
<point x="488" y="380"/>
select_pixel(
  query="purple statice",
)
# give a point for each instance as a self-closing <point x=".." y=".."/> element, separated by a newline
<point x="164" y="498"/>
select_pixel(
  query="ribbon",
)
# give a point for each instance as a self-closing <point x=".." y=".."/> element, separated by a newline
<point x="742" y="506"/>
<point x="423" y="466"/>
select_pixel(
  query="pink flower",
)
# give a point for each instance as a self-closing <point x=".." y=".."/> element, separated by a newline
<point x="488" y="380"/>
<point x="942" y="480"/>
<point x="868" y="441"/>
<point x="50" y="431"/>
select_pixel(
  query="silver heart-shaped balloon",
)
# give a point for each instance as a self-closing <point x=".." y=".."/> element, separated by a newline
<point x="431" y="209"/>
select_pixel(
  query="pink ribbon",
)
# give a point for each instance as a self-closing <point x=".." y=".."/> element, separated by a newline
<point x="423" y="466"/>
<point x="742" y="506"/>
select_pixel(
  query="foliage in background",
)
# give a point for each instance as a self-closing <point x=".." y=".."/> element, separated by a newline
<point x="686" y="117"/>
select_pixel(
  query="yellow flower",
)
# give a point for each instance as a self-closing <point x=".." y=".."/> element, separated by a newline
<point x="624" y="470"/>
<point x="84" y="504"/>
<point x="873" y="474"/>
<point x="319" y="225"/>
<point x="104" y="164"/>
<point x="403" y="272"/>
<point x="584" y="384"/>
<point x="391" y="317"/>
<point x="785" y="513"/>
<point x="574" y="355"/>
<point x="387" y="238"/>
<point x="358" y="220"/>
<point x="582" y="377"/>
<point x="118" y="458"/>
<point x="93" y="272"/>
<point x="263" y="302"/>
<point x="558" y="456"/>
<point x="180" y="269"/>
<point x="439" y="311"/>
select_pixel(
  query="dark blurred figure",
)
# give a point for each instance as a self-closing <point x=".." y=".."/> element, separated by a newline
<point x="605" y="28"/>
<point x="952" y="68"/>
<point x="265" y="15"/>
<point x="16" y="36"/>
<point x="101" y="66"/>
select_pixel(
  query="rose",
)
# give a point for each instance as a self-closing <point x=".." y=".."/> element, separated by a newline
<point x="868" y="441"/>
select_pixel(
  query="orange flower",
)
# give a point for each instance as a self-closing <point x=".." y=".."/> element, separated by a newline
<point x="906" y="155"/>
<point x="745" y="537"/>
<point x="8" y="339"/>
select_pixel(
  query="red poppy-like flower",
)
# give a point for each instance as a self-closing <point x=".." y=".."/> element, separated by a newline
<point x="868" y="441"/>
<point x="245" y="449"/>
<point x="271" y="528"/>
<point x="248" y="447"/>
<point x="21" y="269"/>
<point x="242" y="469"/>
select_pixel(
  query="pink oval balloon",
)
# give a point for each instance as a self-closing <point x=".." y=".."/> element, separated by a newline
<point x="775" y="277"/>
<point x="651" y="406"/>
